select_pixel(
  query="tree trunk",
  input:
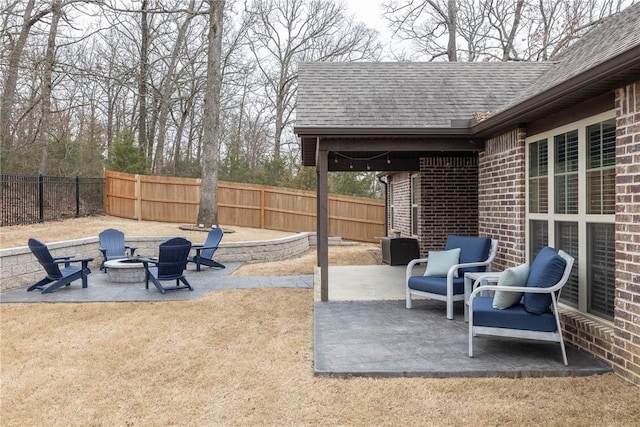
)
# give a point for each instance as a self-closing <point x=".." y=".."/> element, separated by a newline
<point x="12" y="75"/>
<point x="452" y="50"/>
<point x="47" y="82"/>
<point x="143" y="141"/>
<point x="166" y="92"/>
<point x="208" y="212"/>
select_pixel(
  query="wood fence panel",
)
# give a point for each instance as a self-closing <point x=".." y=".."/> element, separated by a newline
<point x="169" y="199"/>
<point x="239" y="204"/>
<point x="290" y="210"/>
<point x="120" y="194"/>
<point x="245" y="205"/>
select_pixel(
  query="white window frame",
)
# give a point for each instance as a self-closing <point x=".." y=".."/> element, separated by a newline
<point x="415" y="204"/>
<point x="581" y="218"/>
<point x="392" y="206"/>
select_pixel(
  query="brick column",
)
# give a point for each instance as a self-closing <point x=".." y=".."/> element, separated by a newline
<point x="626" y="351"/>
<point x="501" y="199"/>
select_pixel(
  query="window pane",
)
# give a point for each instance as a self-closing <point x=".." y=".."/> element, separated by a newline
<point x="538" y="179"/>
<point x="538" y="236"/>
<point x="601" y="269"/>
<point x="601" y="167"/>
<point x="566" y="173"/>
<point x="567" y="240"/>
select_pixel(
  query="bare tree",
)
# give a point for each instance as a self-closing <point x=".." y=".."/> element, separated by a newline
<point x="284" y="32"/>
<point x="56" y="12"/>
<point x="494" y="29"/>
<point x="11" y="77"/>
<point x="430" y="24"/>
<point x="208" y="212"/>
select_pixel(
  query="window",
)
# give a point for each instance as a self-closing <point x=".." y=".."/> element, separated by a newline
<point x="415" y="203"/>
<point x="538" y="179"/>
<point x="572" y="207"/>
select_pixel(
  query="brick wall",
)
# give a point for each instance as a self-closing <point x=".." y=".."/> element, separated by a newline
<point x="501" y="196"/>
<point x="401" y="185"/>
<point x="625" y="356"/>
<point x="449" y="200"/>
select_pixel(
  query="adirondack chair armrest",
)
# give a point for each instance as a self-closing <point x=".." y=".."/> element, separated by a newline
<point x="63" y="260"/>
<point x="199" y="248"/>
<point x="67" y="260"/>
<point x="131" y="248"/>
<point x="146" y="261"/>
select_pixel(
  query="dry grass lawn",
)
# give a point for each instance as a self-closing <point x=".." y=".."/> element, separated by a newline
<point x="244" y="358"/>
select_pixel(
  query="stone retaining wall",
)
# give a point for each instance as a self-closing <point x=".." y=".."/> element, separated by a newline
<point x="19" y="268"/>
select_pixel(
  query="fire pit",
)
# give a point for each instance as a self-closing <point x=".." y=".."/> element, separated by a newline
<point x="126" y="270"/>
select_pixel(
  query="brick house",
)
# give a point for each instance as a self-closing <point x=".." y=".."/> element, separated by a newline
<point x="531" y="154"/>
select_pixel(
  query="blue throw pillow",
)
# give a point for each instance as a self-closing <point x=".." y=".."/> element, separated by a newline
<point x="546" y="270"/>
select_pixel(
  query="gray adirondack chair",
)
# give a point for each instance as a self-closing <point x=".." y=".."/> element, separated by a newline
<point x="112" y="246"/>
<point x="169" y="266"/>
<point x="57" y="277"/>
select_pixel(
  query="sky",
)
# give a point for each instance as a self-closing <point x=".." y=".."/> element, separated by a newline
<point x="370" y="12"/>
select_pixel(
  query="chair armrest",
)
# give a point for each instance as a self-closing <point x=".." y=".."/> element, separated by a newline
<point x="412" y="264"/>
<point x="147" y="261"/>
<point x="203" y="247"/>
<point x="62" y="258"/>
<point x="68" y="260"/>
<point x="493" y="278"/>
<point x="532" y="290"/>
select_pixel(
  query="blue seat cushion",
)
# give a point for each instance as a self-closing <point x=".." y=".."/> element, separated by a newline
<point x="546" y="270"/>
<point x="473" y="249"/>
<point x="435" y="285"/>
<point x="515" y="317"/>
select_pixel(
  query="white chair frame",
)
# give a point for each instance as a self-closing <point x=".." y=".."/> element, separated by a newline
<point x="554" y="291"/>
<point x="450" y="298"/>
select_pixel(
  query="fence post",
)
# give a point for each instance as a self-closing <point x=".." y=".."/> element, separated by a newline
<point x="262" y="207"/>
<point x="138" y="197"/>
<point x="41" y="198"/>
<point x="77" y="196"/>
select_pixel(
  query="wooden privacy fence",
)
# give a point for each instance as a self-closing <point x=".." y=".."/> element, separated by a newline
<point x="167" y="199"/>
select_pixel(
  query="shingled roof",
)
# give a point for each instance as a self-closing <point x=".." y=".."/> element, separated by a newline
<point x="335" y="97"/>
<point x="406" y="94"/>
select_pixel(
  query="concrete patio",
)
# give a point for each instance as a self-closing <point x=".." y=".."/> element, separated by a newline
<point x="364" y="329"/>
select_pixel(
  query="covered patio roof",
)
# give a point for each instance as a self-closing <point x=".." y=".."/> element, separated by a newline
<point x="385" y="116"/>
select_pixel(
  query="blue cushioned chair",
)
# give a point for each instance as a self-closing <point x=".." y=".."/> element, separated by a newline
<point x="476" y="254"/>
<point x="169" y="266"/>
<point x="57" y="277"/>
<point x="204" y="253"/>
<point x="536" y="315"/>
<point x="112" y="246"/>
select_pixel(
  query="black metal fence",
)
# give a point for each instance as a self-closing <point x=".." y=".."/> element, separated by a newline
<point x="31" y="199"/>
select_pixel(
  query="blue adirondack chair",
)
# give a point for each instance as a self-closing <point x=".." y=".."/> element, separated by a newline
<point x="57" y="277"/>
<point x="112" y="246"/>
<point x="204" y="252"/>
<point x="169" y="266"/>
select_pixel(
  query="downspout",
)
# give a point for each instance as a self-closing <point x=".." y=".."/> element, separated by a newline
<point x="386" y="203"/>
